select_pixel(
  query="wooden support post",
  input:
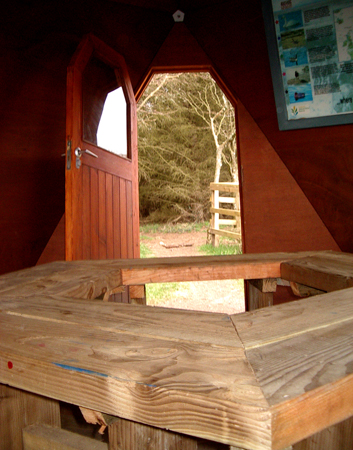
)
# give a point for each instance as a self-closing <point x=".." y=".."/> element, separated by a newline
<point x="337" y="437"/>
<point x="127" y="435"/>
<point x="19" y="409"/>
<point x="260" y="293"/>
<point x="138" y="294"/>
<point x="215" y="217"/>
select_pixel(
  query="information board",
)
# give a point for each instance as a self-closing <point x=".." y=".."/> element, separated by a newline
<point x="311" y="54"/>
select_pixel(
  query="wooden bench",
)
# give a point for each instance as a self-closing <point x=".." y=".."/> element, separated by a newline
<point x="262" y="380"/>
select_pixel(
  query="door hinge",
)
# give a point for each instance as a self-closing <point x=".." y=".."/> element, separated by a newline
<point x="68" y="155"/>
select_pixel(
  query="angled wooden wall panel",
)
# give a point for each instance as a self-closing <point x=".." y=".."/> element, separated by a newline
<point x="276" y="213"/>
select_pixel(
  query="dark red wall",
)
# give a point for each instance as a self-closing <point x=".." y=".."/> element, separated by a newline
<point x="320" y="159"/>
<point x="309" y="204"/>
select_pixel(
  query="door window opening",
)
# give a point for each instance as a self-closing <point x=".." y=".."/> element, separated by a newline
<point x="111" y="133"/>
<point x="105" y="108"/>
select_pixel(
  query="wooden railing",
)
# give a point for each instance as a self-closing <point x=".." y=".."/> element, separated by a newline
<point x="232" y="189"/>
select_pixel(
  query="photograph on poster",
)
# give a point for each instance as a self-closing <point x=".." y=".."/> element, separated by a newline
<point x="311" y="55"/>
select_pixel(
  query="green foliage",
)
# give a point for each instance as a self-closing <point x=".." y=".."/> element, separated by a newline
<point x="145" y="252"/>
<point x="161" y="292"/>
<point x="183" y="119"/>
<point x="222" y="249"/>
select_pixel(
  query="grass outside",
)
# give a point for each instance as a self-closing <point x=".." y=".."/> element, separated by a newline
<point x="173" y="228"/>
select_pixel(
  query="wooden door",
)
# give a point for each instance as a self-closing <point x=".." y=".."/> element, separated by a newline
<point x="101" y="212"/>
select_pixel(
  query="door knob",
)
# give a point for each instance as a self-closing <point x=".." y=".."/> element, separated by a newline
<point x="79" y="152"/>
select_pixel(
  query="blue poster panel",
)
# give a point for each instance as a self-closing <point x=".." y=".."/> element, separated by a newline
<point x="311" y="54"/>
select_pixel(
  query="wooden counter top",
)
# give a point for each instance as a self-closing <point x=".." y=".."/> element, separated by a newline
<point x="258" y="380"/>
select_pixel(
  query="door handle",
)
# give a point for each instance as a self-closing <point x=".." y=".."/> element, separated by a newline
<point x="79" y="153"/>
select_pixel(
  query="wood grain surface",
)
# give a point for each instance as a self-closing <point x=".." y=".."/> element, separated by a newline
<point x="327" y="273"/>
<point x="187" y="381"/>
<point x="261" y="380"/>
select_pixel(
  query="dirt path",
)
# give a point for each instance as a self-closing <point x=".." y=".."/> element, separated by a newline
<point x="226" y="296"/>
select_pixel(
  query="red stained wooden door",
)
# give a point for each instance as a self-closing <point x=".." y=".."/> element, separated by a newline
<point x="101" y="212"/>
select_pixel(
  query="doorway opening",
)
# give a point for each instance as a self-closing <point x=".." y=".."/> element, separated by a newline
<point x="187" y="141"/>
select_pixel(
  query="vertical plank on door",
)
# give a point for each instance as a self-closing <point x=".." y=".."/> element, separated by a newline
<point x="123" y="220"/>
<point x="19" y="409"/>
<point x="86" y="213"/>
<point x="109" y="215"/>
<point x="116" y="217"/>
<point x="77" y="210"/>
<point x="102" y="220"/>
<point x="94" y="214"/>
<point x="129" y="220"/>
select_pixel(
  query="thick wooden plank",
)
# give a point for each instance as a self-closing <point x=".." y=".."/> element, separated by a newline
<point x="227" y="212"/>
<point x="329" y="273"/>
<point x="134" y="374"/>
<point x="292" y="319"/>
<point x="148" y="322"/>
<point x="36" y="437"/>
<point x="74" y="280"/>
<point x="224" y="187"/>
<point x="19" y="409"/>
<point x="249" y="266"/>
<point x="292" y="367"/>
<point x="302" y="356"/>
<point x="56" y="278"/>
<point x="307" y="414"/>
<point x="225" y="233"/>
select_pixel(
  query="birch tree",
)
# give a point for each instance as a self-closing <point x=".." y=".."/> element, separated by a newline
<point x="186" y="140"/>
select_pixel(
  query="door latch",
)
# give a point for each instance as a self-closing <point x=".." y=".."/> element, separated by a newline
<point x="79" y="153"/>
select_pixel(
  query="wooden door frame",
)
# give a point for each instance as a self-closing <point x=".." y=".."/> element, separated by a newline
<point x="231" y="96"/>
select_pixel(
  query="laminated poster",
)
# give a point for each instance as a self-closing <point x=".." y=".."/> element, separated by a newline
<point x="315" y="50"/>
